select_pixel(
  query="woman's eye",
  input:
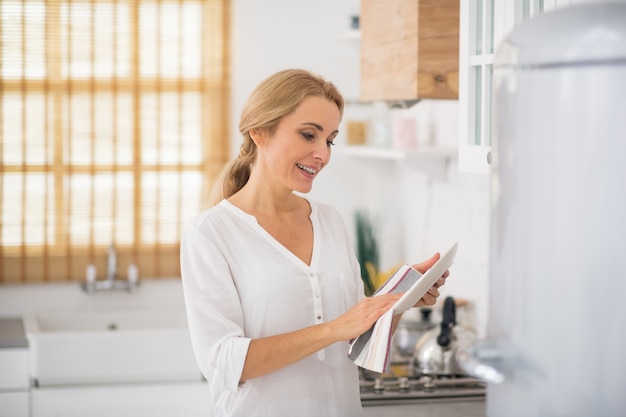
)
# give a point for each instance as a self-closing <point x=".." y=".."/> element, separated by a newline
<point x="330" y="143"/>
<point x="308" y="136"/>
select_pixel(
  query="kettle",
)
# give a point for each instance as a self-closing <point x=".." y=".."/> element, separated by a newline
<point x="409" y="331"/>
<point x="435" y="350"/>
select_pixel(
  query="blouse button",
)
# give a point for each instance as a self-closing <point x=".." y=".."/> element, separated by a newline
<point x="319" y="317"/>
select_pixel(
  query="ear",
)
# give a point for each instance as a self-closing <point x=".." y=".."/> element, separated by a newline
<point x="258" y="136"/>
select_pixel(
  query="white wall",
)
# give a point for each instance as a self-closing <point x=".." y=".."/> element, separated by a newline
<point x="416" y="214"/>
<point x="271" y="35"/>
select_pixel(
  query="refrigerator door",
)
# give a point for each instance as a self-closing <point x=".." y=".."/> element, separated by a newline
<point x="557" y="337"/>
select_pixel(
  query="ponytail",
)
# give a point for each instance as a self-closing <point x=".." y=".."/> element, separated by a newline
<point x="234" y="175"/>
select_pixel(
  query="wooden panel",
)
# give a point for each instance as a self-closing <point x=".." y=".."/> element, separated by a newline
<point x="388" y="49"/>
<point x="409" y="49"/>
<point x="438" y="52"/>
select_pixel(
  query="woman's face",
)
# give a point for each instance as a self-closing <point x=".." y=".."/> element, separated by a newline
<point x="300" y="146"/>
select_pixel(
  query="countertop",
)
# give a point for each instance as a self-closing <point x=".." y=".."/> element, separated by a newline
<point x="12" y="333"/>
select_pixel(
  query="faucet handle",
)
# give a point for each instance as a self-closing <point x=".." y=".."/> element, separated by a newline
<point x="89" y="285"/>
<point x="91" y="273"/>
<point x="111" y="262"/>
<point x="133" y="274"/>
<point x="132" y="277"/>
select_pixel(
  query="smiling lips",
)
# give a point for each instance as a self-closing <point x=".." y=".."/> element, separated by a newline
<point x="307" y="170"/>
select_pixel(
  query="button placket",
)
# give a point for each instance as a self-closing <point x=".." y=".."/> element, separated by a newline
<point x="318" y="312"/>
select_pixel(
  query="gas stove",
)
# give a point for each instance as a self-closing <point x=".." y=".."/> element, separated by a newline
<point x="402" y="387"/>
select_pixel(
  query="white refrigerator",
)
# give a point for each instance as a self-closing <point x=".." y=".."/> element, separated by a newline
<point x="556" y="342"/>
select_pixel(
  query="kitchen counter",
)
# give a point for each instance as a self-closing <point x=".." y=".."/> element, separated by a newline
<point x="12" y="333"/>
<point x="451" y="408"/>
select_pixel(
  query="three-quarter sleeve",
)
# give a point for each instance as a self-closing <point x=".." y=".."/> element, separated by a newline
<point x="214" y="311"/>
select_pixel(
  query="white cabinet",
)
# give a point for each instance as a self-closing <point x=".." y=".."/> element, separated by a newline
<point x="483" y="25"/>
<point x="14" y="366"/>
<point x="14" y="386"/>
<point x="14" y="404"/>
<point x="185" y="399"/>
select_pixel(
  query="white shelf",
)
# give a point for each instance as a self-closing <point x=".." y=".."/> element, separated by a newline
<point x="365" y="151"/>
<point x="431" y="161"/>
<point x="352" y="35"/>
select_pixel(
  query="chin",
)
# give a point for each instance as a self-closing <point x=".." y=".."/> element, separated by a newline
<point x="304" y="189"/>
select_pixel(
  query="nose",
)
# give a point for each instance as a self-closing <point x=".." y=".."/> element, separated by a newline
<point x="322" y="152"/>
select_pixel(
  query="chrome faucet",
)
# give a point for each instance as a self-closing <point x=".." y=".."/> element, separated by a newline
<point x="112" y="281"/>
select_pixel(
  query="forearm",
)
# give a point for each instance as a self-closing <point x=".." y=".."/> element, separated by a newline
<point x="269" y="354"/>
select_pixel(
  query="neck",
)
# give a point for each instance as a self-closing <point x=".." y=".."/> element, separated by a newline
<point x="265" y="199"/>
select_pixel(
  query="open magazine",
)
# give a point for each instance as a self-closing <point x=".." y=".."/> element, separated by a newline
<point x="371" y="350"/>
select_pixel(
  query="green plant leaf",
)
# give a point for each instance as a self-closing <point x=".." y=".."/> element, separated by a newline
<point x="367" y="250"/>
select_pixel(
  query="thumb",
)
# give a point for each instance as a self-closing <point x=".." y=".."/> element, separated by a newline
<point x="428" y="263"/>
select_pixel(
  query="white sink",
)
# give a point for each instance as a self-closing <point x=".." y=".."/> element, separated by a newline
<point x="110" y="347"/>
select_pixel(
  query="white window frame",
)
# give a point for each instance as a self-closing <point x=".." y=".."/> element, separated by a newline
<point x="475" y="152"/>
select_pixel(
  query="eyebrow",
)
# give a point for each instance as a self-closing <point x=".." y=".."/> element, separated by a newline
<point x="318" y="127"/>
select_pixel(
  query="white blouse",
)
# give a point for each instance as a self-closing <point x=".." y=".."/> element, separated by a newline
<point x="240" y="284"/>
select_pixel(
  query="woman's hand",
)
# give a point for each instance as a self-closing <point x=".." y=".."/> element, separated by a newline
<point x="358" y="319"/>
<point x="430" y="298"/>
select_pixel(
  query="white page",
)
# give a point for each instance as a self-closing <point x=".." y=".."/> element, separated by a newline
<point x="426" y="281"/>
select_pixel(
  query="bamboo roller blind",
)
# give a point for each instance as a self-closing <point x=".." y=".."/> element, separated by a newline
<point x="113" y="125"/>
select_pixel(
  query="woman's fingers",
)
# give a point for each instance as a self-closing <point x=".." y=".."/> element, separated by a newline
<point x="363" y="315"/>
<point x="441" y="280"/>
<point x="427" y="264"/>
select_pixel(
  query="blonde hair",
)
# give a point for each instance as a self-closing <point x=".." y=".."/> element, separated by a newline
<point x="274" y="98"/>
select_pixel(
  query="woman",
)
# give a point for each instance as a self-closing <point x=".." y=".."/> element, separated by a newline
<point x="271" y="280"/>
